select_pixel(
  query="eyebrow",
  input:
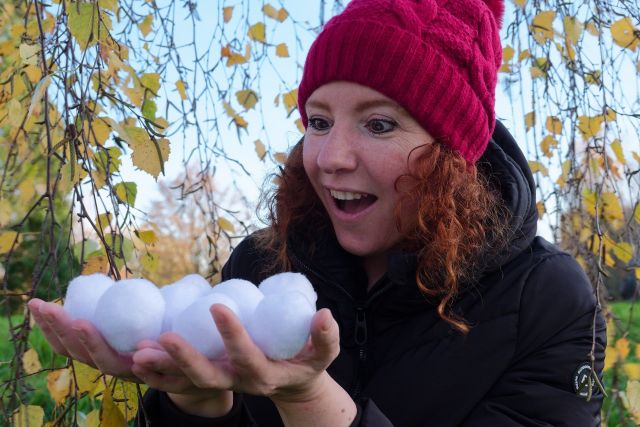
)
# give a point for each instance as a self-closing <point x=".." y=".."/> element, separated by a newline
<point x="361" y="106"/>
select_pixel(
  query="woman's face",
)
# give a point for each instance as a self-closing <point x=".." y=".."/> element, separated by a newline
<point x="356" y="145"/>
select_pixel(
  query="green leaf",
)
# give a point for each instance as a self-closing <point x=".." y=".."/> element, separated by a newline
<point x="126" y="192"/>
<point x="86" y="25"/>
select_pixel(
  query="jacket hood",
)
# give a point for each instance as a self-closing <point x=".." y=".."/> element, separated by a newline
<point x="508" y="170"/>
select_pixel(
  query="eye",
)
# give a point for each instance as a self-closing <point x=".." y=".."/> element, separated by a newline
<point x="318" y="124"/>
<point x="380" y="126"/>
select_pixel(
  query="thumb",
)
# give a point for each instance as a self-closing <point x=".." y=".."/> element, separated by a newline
<point x="325" y="338"/>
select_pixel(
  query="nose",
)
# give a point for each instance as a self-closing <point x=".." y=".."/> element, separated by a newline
<point x="338" y="151"/>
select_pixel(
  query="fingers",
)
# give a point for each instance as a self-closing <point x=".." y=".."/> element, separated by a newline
<point x="325" y="339"/>
<point x="34" y="307"/>
<point x="156" y="360"/>
<point x="195" y="365"/>
<point x="60" y="324"/>
<point x="168" y="383"/>
<point x="105" y="358"/>
<point x="241" y="350"/>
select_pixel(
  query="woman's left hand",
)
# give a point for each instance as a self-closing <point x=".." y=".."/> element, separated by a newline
<point x="245" y="368"/>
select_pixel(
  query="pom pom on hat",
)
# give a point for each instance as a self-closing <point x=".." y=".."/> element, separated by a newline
<point x="497" y="8"/>
<point x="438" y="59"/>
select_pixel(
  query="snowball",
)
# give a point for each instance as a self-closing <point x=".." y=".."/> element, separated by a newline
<point x="280" y="324"/>
<point x="180" y="295"/>
<point x="83" y="294"/>
<point x="289" y="282"/>
<point x="244" y="293"/>
<point x="196" y="325"/>
<point x="129" y="311"/>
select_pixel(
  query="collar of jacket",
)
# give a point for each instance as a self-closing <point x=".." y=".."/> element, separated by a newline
<point x="508" y="170"/>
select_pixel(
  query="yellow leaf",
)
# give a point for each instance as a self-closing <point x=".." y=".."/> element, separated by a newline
<point x="624" y="252"/>
<point x="507" y="53"/>
<point x="34" y="74"/>
<point x="260" y="149"/>
<point x="86" y="25"/>
<point x="520" y="3"/>
<point x="541" y="209"/>
<point x="611" y="206"/>
<point x="226" y="225"/>
<point x="146" y="25"/>
<point x="270" y="11"/>
<point x="151" y="81"/>
<point x="110" y="415"/>
<point x="538" y="167"/>
<point x="31" y="362"/>
<point x="625" y="34"/>
<point x="636" y="216"/>
<point x="524" y="55"/>
<point x="93" y="418"/>
<point x="28" y="416"/>
<point x="227" y="13"/>
<point x="616" y="146"/>
<point x="147" y="236"/>
<point x="631" y="400"/>
<point x="282" y="14"/>
<point x="282" y="50"/>
<point x="589" y="126"/>
<point x="610" y="115"/>
<point x="15" y="113"/>
<point x="29" y="53"/>
<point x="592" y="29"/>
<point x="125" y="396"/>
<point x="610" y="357"/>
<point x="149" y="262"/>
<point x="60" y="384"/>
<point x="148" y="155"/>
<point x="96" y="264"/>
<point x="542" y="26"/>
<point x="593" y="78"/>
<point x="257" y="32"/>
<point x="240" y="122"/>
<point x="290" y="100"/>
<point x="622" y="347"/>
<point x="181" y="86"/>
<point x="554" y="125"/>
<point x="632" y="370"/>
<point x="530" y="120"/>
<point x="547" y="144"/>
<point x="572" y="29"/>
<point x="539" y="68"/>
<point x="7" y="239"/>
<point x="280" y="157"/>
<point x="300" y="126"/>
<point x="247" y="98"/>
<point x="87" y="378"/>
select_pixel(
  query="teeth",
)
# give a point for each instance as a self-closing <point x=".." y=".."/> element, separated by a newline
<point x="346" y="195"/>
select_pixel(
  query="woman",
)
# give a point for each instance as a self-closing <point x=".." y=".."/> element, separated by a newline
<point x="413" y="214"/>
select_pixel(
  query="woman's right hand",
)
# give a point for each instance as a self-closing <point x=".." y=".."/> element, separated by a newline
<point x="80" y="340"/>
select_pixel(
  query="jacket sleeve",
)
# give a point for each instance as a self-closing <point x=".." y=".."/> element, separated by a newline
<point x="558" y="324"/>
<point x="159" y="411"/>
<point x="369" y="415"/>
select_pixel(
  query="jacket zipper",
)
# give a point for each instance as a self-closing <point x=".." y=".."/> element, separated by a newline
<point x="360" y="333"/>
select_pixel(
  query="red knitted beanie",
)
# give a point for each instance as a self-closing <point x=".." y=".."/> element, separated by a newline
<point x="438" y="59"/>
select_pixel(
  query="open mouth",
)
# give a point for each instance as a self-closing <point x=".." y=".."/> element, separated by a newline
<point x="352" y="203"/>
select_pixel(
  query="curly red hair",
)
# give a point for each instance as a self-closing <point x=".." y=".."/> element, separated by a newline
<point x="449" y="237"/>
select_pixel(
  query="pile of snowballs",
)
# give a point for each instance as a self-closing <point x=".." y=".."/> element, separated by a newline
<point x="277" y="313"/>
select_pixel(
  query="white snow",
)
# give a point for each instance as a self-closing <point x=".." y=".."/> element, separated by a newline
<point x="83" y="294"/>
<point x="196" y="325"/>
<point x="129" y="311"/>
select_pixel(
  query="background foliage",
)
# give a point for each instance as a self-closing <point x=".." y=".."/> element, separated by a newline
<point x="92" y="90"/>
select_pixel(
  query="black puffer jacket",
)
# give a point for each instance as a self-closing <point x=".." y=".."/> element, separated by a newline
<point x="533" y="316"/>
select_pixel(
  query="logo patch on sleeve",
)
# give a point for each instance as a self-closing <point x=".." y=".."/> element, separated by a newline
<point x="582" y="376"/>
